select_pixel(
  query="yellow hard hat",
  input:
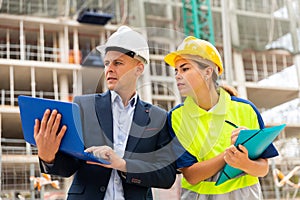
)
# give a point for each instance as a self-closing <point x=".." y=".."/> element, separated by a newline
<point x="197" y="47"/>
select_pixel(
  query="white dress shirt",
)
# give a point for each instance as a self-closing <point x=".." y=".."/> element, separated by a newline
<point x="122" y="119"/>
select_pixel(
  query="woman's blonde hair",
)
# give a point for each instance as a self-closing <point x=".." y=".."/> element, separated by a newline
<point x="202" y="64"/>
<point x="231" y="90"/>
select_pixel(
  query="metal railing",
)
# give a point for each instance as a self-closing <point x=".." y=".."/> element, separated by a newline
<point x="16" y="147"/>
<point x="6" y="97"/>
<point x="32" y="52"/>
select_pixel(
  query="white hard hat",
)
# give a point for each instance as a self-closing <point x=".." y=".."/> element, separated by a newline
<point x="129" y="42"/>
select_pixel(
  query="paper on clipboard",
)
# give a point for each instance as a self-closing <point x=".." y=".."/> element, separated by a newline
<point x="256" y="142"/>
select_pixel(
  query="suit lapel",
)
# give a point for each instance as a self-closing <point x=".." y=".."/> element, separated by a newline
<point x="104" y="115"/>
<point x="140" y="121"/>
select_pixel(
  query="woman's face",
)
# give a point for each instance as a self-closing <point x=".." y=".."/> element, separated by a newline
<point x="189" y="77"/>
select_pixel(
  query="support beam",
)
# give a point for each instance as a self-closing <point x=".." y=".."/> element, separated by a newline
<point x="19" y="159"/>
<point x="75" y="82"/>
<point x="239" y="74"/>
<point x="64" y="87"/>
<point x="293" y="25"/>
<point x="7" y="44"/>
<point x="42" y="43"/>
<point x="76" y="51"/>
<point x="55" y="84"/>
<point x="12" y="85"/>
<point x="227" y="41"/>
<point x="33" y="83"/>
<point x="22" y="41"/>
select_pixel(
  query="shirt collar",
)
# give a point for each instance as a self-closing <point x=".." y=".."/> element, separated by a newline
<point x="115" y="96"/>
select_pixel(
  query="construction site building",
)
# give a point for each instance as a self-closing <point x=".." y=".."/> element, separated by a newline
<point x="47" y="50"/>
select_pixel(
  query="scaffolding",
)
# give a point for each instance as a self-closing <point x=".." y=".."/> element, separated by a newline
<point x="197" y="19"/>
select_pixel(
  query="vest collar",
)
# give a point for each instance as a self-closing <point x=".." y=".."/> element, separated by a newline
<point x="219" y="109"/>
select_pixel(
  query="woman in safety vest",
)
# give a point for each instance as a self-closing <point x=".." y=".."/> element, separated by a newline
<point x="206" y="126"/>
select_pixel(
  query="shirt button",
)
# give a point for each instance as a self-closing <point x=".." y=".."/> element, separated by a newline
<point x="102" y="189"/>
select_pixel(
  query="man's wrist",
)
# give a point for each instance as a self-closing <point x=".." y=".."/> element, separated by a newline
<point x="48" y="161"/>
<point x="122" y="166"/>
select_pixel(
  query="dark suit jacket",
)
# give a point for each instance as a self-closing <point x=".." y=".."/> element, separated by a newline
<point x="149" y="157"/>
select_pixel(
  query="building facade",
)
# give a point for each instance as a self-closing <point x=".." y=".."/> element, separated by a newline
<point x="46" y="51"/>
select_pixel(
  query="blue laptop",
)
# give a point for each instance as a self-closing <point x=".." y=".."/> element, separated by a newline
<point x="72" y="143"/>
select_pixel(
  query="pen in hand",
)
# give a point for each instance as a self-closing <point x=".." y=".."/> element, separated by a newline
<point x="235" y="126"/>
<point x="232" y="124"/>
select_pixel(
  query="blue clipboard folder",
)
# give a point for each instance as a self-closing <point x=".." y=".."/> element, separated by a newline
<point x="256" y="142"/>
<point x="32" y="108"/>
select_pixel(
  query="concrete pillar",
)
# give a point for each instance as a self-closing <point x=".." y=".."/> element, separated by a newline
<point x="295" y="40"/>
<point x="293" y="24"/>
<point x="239" y="71"/>
<point x="227" y="41"/>
<point x="62" y="53"/>
<point x="297" y="64"/>
<point x="67" y="8"/>
<point x="63" y="87"/>
<point x="61" y="8"/>
<point x="66" y="44"/>
<point x="55" y="50"/>
<point x="55" y="84"/>
<point x="33" y="83"/>
<point x="12" y="85"/>
<point x="75" y="83"/>
<point x="76" y="52"/>
<point x="169" y="15"/>
<point x="239" y="74"/>
<point x="144" y="82"/>
<point x="7" y="44"/>
<point x="79" y="83"/>
<point x="31" y="170"/>
<point x="42" y="43"/>
<point x="22" y="41"/>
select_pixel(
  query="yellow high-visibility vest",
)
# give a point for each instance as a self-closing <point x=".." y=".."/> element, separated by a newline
<point x="204" y="134"/>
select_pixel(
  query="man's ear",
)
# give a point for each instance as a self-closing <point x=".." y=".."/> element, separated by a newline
<point x="139" y="68"/>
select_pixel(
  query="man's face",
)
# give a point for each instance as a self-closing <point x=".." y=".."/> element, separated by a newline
<point x="120" y="71"/>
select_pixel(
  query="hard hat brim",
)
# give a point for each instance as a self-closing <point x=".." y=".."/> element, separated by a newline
<point x="102" y="50"/>
<point x="171" y="57"/>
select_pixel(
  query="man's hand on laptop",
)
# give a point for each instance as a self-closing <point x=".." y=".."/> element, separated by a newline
<point x="107" y="153"/>
<point x="48" y="136"/>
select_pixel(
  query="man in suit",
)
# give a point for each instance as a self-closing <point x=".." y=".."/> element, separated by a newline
<point x="118" y="127"/>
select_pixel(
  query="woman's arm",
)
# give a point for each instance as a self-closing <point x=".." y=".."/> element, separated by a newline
<point x="203" y="170"/>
